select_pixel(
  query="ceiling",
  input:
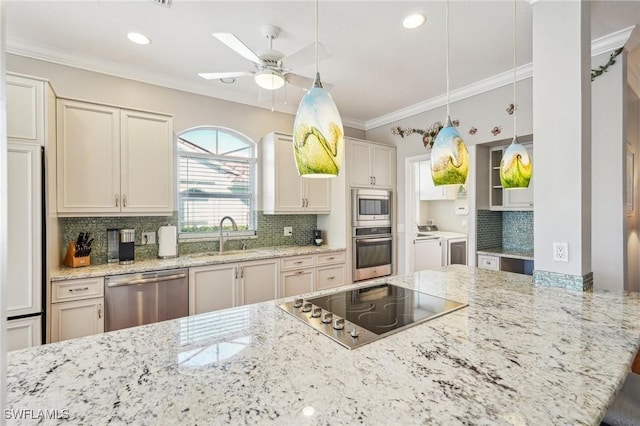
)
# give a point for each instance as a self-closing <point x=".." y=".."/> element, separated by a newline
<point x="376" y="66"/>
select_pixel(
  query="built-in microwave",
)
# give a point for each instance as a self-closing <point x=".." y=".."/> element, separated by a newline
<point x="371" y="207"/>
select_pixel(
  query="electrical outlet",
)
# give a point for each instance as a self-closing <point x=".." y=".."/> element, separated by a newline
<point x="148" y="238"/>
<point x="288" y="231"/>
<point x="561" y="252"/>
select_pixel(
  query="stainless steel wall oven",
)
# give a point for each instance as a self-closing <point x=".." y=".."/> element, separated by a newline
<point x="372" y="252"/>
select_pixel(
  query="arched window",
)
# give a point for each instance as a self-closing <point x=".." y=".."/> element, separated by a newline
<point x="216" y="178"/>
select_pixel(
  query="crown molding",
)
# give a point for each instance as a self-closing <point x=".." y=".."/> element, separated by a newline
<point x="612" y="41"/>
<point x="600" y="45"/>
<point x="503" y="79"/>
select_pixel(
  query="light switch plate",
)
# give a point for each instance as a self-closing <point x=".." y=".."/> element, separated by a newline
<point x="288" y="231"/>
<point x="148" y="238"/>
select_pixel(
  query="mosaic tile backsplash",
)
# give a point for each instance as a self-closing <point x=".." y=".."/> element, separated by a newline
<point x="488" y="229"/>
<point x="509" y="230"/>
<point x="270" y="233"/>
<point x="517" y="230"/>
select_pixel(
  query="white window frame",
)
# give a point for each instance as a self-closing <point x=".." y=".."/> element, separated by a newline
<point x="253" y="160"/>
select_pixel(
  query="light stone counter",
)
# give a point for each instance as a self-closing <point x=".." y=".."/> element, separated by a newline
<point x="518" y="354"/>
<point x="187" y="261"/>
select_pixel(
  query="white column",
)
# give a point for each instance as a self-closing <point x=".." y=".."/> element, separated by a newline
<point x="562" y="137"/>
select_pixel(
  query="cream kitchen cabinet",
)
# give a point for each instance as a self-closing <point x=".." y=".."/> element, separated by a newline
<point x="27" y="109"/>
<point x="297" y="275"/>
<point x="331" y="270"/>
<point x="113" y="161"/>
<point x="24" y="333"/>
<point x="370" y="164"/>
<point x="284" y="191"/>
<point x="224" y="286"/>
<point x="77" y="308"/>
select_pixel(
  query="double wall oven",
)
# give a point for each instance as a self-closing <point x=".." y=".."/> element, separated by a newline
<point x="372" y="238"/>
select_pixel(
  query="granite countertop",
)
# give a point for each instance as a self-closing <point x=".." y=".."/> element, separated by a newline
<point x="515" y="254"/>
<point x="187" y="261"/>
<point x="518" y="354"/>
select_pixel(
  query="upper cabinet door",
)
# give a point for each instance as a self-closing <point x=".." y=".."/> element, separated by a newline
<point x="383" y="166"/>
<point x="146" y="152"/>
<point x="88" y="158"/>
<point x="25" y="109"/>
<point x="360" y="164"/>
<point x="317" y="195"/>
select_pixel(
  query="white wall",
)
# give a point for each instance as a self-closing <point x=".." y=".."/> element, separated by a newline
<point x="608" y="148"/>
<point x="483" y="111"/>
<point x="632" y="132"/>
<point x="3" y="214"/>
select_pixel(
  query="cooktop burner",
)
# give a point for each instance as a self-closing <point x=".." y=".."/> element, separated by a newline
<point x="356" y="317"/>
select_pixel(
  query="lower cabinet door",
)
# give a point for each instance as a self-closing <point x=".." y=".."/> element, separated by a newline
<point x="427" y="255"/>
<point x="258" y="281"/>
<point x="24" y="333"/>
<point x="297" y="282"/>
<point x="212" y="288"/>
<point x="330" y="276"/>
<point x="77" y="319"/>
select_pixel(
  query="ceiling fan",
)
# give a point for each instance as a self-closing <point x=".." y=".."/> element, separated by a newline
<point x="272" y="68"/>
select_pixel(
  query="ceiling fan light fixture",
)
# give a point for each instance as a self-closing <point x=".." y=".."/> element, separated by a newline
<point x="138" y="38"/>
<point x="414" y="21"/>
<point x="269" y="79"/>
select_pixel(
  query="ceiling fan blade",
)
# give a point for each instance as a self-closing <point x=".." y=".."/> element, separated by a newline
<point x="305" y="82"/>
<point x="219" y="75"/>
<point x="306" y="56"/>
<point x="238" y="46"/>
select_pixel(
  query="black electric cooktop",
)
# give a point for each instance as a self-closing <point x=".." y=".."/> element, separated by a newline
<point x="356" y="317"/>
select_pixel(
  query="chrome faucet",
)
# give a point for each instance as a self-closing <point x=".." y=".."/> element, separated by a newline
<point x="235" y="228"/>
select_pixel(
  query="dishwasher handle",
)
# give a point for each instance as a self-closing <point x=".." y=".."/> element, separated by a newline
<point x="147" y="280"/>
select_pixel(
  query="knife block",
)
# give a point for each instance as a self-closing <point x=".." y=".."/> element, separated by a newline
<point x="71" y="260"/>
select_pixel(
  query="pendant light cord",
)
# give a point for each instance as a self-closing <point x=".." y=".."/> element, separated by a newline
<point x="317" y="32"/>
<point x="514" y="71"/>
<point x="447" y="37"/>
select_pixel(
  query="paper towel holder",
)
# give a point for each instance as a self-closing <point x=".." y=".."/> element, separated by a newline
<point x="167" y="242"/>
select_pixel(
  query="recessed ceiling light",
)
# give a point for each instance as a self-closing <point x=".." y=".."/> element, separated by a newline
<point x="413" y="21"/>
<point x="138" y="38"/>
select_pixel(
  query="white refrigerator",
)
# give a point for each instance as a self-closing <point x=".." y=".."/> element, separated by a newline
<point x="25" y="283"/>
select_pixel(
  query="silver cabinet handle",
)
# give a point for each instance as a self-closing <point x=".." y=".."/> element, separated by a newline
<point x="124" y="201"/>
<point x="375" y="182"/>
<point x="146" y="280"/>
<point x="117" y="198"/>
<point x="242" y="272"/>
<point x="300" y="272"/>
<point x="100" y="311"/>
<point x="298" y="262"/>
<point x="235" y="272"/>
<point x="330" y="258"/>
<point x="331" y="278"/>
<point x="79" y="289"/>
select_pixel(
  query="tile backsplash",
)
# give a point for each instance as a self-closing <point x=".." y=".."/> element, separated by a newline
<point x="509" y="230"/>
<point x="517" y="230"/>
<point x="270" y="233"/>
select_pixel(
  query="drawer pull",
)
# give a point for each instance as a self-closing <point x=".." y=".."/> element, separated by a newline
<point x="99" y="311"/>
<point x="298" y="262"/>
<point x="331" y="278"/>
<point x="79" y="289"/>
<point x="300" y="272"/>
<point x="330" y="258"/>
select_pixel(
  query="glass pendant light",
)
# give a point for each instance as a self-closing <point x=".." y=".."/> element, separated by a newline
<point x="515" y="166"/>
<point x="449" y="155"/>
<point x="318" y="136"/>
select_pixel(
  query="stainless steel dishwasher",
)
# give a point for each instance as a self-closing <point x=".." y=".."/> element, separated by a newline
<point x="145" y="298"/>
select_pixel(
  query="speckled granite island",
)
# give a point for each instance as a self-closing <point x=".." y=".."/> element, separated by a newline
<point x="518" y="354"/>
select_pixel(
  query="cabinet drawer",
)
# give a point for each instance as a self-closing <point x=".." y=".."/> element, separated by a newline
<point x="329" y="277"/>
<point x="63" y="291"/>
<point x="330" y="258"/>
<point x="297" y="262"/>
<point x="489" y="262"/>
